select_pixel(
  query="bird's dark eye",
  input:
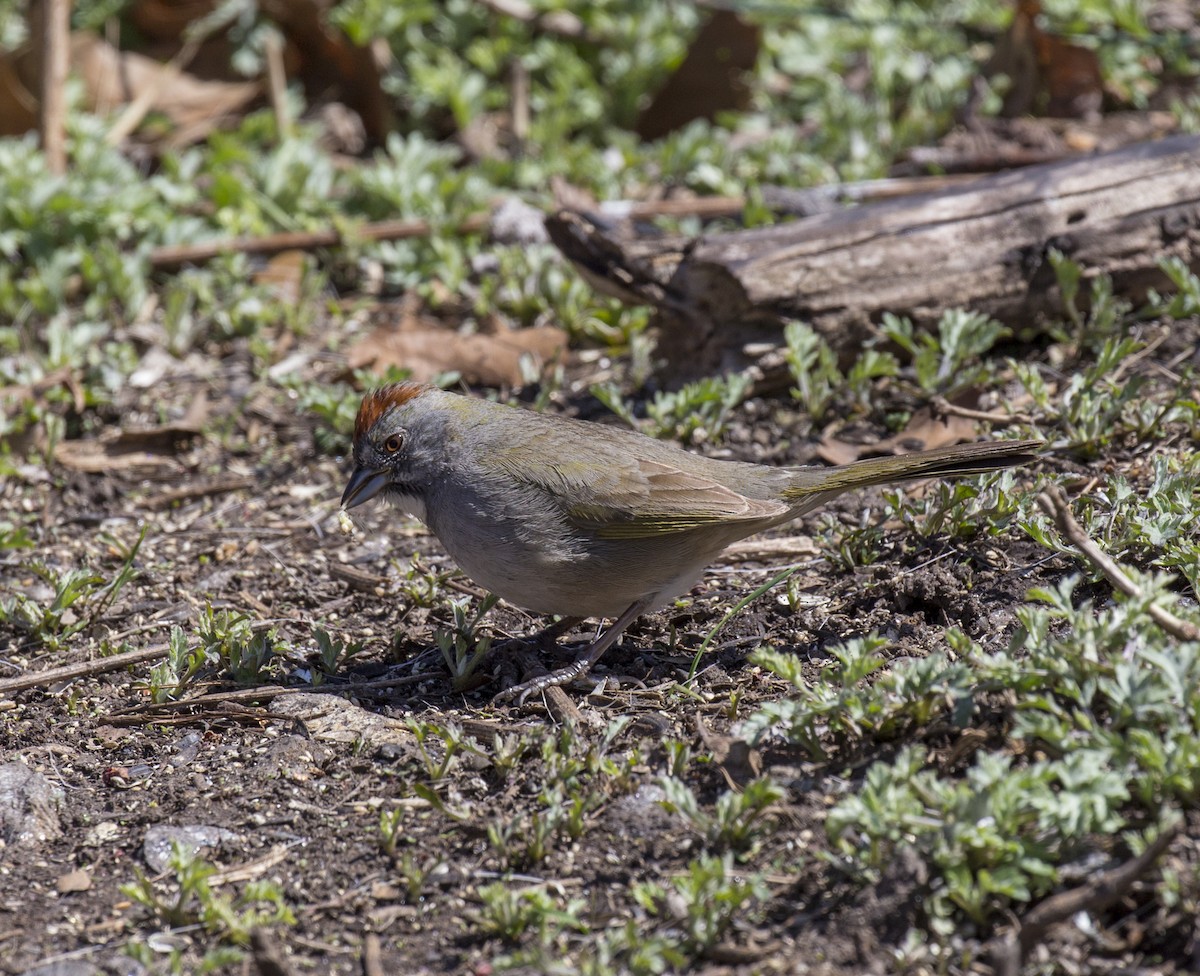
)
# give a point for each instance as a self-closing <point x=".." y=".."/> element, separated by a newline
<point x="394" y="443"/>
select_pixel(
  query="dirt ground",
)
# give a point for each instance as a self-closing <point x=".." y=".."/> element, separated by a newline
<point x="282" y="785"/>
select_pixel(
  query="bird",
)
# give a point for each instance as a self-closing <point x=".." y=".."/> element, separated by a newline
<point x="582" y="519"/>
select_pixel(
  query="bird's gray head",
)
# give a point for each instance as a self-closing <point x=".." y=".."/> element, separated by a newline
<point x="397" y="440"/>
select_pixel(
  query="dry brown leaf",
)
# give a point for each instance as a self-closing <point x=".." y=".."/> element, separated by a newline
<point x="834" y="451"/>
<point x="485" y="359"/>
<point x="193" y="106"/>
<point x="114" y="77"/>
<point x="738" y="761"/>
<point x="926" y="431"/>
<point x="137" y="448"/>
<point x="111" y="78"/>
<point x="94" y="457"/>
<point x="711" y="79"/>
<point x="283" y="275"/>
<point x="1049" y="75"/>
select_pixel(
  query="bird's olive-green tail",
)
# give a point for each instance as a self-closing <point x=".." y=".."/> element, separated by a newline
<point x="945" y="462"/>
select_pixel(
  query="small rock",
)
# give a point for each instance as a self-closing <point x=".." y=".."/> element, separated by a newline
<point x="157" y="844"/>
<point x="28" y="806"/>
<point x="517" y="222"/>
<point x="66" y="967"/>
<point x="77" y="880"/>
<point x="102" y="834"/>
<point x="122" y="965"/>
<point x="186" y="749"/>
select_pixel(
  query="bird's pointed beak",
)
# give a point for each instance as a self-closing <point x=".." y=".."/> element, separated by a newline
<point x="364" y="485"/>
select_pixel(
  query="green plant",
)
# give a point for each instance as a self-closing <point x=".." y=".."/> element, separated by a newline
<point x="507" y="751"/>
<point x="679" y="757"/>
<point x="525" y="841"/>
<point x="948" y="360"/>
<point x="194" y="902"/>
<point x="962" y="508"/>
<point x="149" y="953"/>
<point x="1150" y="523"/>
<point x="1106" y="705"/>
<point x="80" y="597"/>
<point x="512" y="914"/>
<point x="452" y="742"/>
<point x="736" y="821"/>
<point x="1186" y="300"/>
<point x="1104" y="311"/>
<point x="708" y="899"/>
<point x="13" y="536"/>
<point x="1098" y="404"/>
<point x="416" y="874"/>
<point x="170" y="677"/>
<point x="695" y="413"/>
<point x="854" y="546"/>
<point x="461" y="649"/>
<point x="813" y="365"/>
<point x="51" y="625"/>
<point x="332" y="654"/>
<point x="390" y="832"/>
<point x="839" y="709"/>
<point x="230" y="643"/>
<point x="421" y="585"/>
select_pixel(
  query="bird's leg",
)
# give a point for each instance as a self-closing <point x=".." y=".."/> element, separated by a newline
<point x="522" y="652"/>
<point x="581" y="665"/>
<point x="547" y="636"/>
<point x="550" y="635"/>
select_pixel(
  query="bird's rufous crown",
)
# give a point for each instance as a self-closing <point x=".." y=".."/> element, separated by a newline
<point x="378" y="402"/>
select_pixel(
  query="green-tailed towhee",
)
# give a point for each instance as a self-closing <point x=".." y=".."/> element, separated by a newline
<point x="569" y="517"/>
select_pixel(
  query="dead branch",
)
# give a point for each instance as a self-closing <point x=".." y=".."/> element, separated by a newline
<point x="1054" y="503"/>
<point x="175" y="255"/>
<point x="1010" y="952"/>
<point x="983" y="245"/>
<point x="69" y="672"/>
<point x="55" y="63"/>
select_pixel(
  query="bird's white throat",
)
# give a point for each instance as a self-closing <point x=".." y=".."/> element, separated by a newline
<point x="407" y="503"/>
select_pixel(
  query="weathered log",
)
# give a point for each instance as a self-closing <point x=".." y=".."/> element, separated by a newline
<point x="982" y="246"/>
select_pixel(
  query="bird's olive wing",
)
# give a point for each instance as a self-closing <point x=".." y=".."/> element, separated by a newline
<point x="638" y="498"/>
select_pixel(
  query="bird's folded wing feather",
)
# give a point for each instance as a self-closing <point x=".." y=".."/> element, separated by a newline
<point x="637" y="498"/>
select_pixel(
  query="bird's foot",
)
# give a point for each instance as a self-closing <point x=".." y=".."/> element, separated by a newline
<point x="517" y="694"/>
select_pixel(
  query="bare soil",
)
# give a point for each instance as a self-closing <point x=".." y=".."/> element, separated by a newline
<point x="244" y="517"/>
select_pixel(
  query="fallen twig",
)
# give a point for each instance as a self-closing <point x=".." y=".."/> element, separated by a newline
<point x="562" y="708"/>
<point x="385" y="230"/>
<point x="1010" y="952"/>
<point x="69" y="672"/>
<point x="1054" y="503"/>
<point x="942" y="406"/>
<point x="707" y="208"/>
<point x="372" y="956"/>
<point x="136" y="110"/>
<point x="216" y="487"/>
<point x="149" y="711"/>
<point x="268" y="954"/>
<point x="54" y="19"/>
